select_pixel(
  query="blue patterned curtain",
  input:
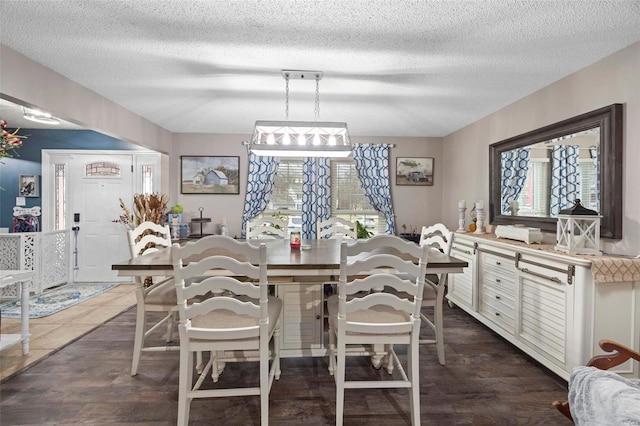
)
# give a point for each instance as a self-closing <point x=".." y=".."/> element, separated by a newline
<point x="372" y="164"/>
<point x="565" y="177"/>
<point x="515" y="164"/>
<point x="260" y="178"/>
<point x="316" y="194"/>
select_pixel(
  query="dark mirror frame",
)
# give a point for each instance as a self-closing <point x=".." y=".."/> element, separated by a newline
<point x="609" y="120"/>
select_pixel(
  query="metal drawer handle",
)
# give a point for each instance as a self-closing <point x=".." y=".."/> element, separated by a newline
<point x="537" y="274"/>
<point x="498" y="297"/>
<point x="498" y="280"/>
<point x="498" y="263"/>
<point x="462" y="251"/>
<point x="497" y="314"/>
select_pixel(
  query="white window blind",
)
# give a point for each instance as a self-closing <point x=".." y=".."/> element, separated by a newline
<point x="348" y="200"/>
<point x="534" y="198"/>
<point x="588" y="187"/>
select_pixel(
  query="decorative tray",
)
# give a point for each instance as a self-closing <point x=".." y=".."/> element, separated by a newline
<point x="519" y="233"/>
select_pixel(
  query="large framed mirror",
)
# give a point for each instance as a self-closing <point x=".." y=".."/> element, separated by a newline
<point x="535" y="175"/>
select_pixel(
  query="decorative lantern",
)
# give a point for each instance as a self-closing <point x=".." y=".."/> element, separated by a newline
<point x="578" y="230"/>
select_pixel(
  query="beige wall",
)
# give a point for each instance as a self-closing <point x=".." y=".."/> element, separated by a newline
<point x="29" y="83"/>
<point x="413" y="205"/>
<point x="611" y="80"/>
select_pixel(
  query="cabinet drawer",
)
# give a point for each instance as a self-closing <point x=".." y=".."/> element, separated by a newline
<point x="498" y="312"/>
<point x="500" y="284"/>
<point x="500" y="266"/>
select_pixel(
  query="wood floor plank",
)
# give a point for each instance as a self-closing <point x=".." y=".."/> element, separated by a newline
<point x="486" y="382"/>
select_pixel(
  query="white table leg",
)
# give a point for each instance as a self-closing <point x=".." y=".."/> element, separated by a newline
<point x="24" y="311"/>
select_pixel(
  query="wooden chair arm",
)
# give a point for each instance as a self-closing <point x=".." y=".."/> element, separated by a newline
<point x="605" y="362"/>
<point x="620" y="354"/>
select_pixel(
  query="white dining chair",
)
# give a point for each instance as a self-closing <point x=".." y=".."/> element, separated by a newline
<point x="440" y="238"/>
<point x="267" y="228"/>
<point x="360" y="318"/>
<point x="236" y="325"/>
<point x="336" y="227"/>
<point x="159" y="296"/>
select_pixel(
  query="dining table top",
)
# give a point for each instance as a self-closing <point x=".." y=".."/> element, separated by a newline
<point x="314" y="254"/>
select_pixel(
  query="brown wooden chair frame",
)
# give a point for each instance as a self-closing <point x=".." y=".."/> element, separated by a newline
<point x="603" y="362"/>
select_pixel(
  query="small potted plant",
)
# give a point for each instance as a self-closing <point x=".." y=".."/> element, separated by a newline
<point x="175" y="214"/>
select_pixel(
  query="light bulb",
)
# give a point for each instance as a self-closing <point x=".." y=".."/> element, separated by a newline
<point x="316" y="139"/>
<point x="286" y="140"/>
<point x="332" y="140"/>
<point x="301" y="139"/>
<point x="270" y="139"/>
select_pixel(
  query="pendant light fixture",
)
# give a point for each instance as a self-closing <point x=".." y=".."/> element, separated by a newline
<point x="300" y="138"/>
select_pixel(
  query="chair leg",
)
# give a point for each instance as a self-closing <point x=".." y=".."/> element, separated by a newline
<point x="170" y="321"/>
<point x="340" y="376"/>
<point x="438" y="321"/>
<point x="186" y="381"/>
<point x="414" y="375"/>
<point x="138" y="340"/>
<point x="264" y="384"/>
<point x="276" y="351"/>
<point x="332" y="352"/>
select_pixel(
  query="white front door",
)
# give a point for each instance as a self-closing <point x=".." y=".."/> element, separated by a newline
<point x="96" y="185"/>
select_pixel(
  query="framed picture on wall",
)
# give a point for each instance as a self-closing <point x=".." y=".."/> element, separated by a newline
<point x="28" y="186"/>
<point x="414" y="171"/>
<point x="200" y="174"/>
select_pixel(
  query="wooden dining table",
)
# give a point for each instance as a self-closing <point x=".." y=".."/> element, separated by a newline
<point x="299" y="275"/>
<point x="313" y="258"/>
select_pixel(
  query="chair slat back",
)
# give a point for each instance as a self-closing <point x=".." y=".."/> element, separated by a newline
<point x="336" y="227"/>
<point x="374" y="270"/>
<point x="267" y="228"/>
<point x="146" y="233"/>
<point x="437" y="236"/>
<point x="219" y="274"/>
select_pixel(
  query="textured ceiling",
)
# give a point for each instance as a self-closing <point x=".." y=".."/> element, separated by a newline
<point x="402" y="68"/>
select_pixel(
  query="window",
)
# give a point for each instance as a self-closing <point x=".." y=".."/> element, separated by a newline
<point x="102" y="169"/>
<point x="534" y="197"/>
<point x="348" y="200"/>
<point x="347" y="197"/>
<point x="147" y="179"/>
<point x="59" y="197"/>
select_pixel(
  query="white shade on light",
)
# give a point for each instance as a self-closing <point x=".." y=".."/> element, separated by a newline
<point x="329" y="139"/>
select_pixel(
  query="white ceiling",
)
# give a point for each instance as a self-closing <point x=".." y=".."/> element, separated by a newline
<point x="391" y="67"/>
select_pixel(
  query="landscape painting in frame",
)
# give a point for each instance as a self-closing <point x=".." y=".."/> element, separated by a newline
<point x="417" y="171"/>
<point x="201" y="174"/>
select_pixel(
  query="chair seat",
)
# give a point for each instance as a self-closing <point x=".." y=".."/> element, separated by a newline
<point x="223" y="318"/>
<point x="163" y="294"/>
<point x="376" y="314"/>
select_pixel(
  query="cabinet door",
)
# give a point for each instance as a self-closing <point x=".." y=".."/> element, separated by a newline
<point x="302" y="315"/>
<point x="542" y="314"/>
<point x="460" y="286"/>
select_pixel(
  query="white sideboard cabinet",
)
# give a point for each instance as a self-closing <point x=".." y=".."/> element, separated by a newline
<point x="544" y="302"/>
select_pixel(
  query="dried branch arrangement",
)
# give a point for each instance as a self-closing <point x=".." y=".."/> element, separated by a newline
<point x="146" y="207"/>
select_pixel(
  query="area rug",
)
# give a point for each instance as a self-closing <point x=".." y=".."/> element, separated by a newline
<point x="55" y="300"/>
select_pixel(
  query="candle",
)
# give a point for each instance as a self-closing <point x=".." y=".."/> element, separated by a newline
<point x="462" y="204"/>
<point x="480" y="205"/>
<point x="223" y="221"/>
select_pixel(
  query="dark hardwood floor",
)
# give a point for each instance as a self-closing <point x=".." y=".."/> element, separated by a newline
<point x="486" y="382"/>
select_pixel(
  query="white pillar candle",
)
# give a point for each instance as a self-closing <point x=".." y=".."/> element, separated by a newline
<point x="223" y="221"/>
<point x="462" y="204"/>
<point x="480" y="204"/>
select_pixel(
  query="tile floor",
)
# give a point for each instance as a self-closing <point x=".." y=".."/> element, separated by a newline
<point x="50" y="333"/>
